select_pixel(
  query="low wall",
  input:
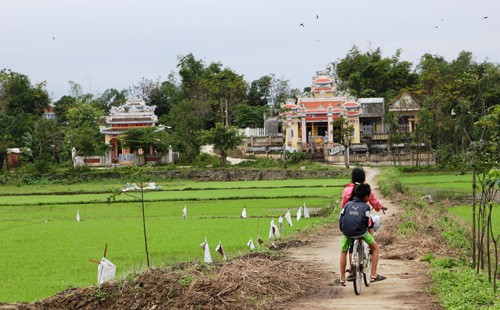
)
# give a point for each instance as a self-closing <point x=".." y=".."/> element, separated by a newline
<point x="404" y="159"/>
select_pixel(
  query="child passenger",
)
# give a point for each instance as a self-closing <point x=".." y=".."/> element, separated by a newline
<point x="354" y="221"/>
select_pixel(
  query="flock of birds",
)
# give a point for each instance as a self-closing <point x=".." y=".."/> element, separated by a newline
<point x="442" y="20"/>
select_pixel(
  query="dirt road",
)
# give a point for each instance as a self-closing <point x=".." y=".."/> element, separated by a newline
<point x="404" y="288"/>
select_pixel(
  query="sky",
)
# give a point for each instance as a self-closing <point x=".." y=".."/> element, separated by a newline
<point x="102" y="44"/>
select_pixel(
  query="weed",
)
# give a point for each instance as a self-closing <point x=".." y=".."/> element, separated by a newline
<point x="100" y="294"/>
<point x="185" y="281"/>
<point x="407" y="227"/>
<point x="459" y="287"/>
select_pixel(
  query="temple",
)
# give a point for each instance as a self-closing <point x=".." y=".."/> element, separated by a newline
<point x="132" y="114"/>
<point x="309" y="124"/>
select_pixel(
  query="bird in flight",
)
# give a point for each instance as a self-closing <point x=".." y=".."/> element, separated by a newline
<point x="317" y="16"/>
<point x="485" y="17"/>
<point x="302" y="24"/>
<point x="53" y="38"/>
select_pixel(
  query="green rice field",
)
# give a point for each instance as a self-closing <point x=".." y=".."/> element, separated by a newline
<point x="461" y="183"/>
<point x="45" y="250"/>
<point x="465" y="213"/>
<point x="448" y="185"/>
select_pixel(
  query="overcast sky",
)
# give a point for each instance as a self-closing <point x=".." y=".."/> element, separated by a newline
<point x="103" y="44"/>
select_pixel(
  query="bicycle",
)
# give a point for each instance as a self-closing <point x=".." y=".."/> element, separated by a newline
<point x="361" y="264"/>
<point x="361" y="260"/>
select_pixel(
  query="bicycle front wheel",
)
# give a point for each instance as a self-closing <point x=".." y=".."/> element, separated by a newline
<point x="367" y="267"/>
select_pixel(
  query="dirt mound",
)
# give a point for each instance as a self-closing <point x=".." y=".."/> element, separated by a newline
<point x="255" y="281"/>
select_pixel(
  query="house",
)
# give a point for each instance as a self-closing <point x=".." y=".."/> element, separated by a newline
<point x="406" y="108"/>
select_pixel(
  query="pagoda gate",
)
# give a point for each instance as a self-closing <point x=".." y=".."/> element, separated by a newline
<point x="132" y="114"/>
<point x="309" y="123"/>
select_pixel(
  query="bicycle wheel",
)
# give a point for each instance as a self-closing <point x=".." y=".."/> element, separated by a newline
<point x="367" y="266"/>
<point x="358" y="267"/>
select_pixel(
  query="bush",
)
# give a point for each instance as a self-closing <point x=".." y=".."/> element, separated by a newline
<point x="295" y="157"/>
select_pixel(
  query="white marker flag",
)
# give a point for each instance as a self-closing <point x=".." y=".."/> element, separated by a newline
<point x="280" y="221"/>
<point x="250" y="244"/>
<point x="244" y="213"/>
<point x="299" y="213"/>
<point x="208" y="257"/>
<point x="288" y="217"/>
<point x="105" y="271"/>
<point x="184" y="213"/>
<point x="78" y="216"/>
<point x="306" y="211"/>
<point x="273" y="231"/>
<point x="220" y="250"/>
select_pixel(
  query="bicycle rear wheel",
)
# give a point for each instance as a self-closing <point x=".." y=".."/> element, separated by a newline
<point x="358" y="267"/>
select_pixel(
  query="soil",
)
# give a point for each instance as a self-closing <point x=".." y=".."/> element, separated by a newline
<point x="300" y="275"/>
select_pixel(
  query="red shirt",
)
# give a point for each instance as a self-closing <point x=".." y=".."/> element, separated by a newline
<point x="346" y="194"/>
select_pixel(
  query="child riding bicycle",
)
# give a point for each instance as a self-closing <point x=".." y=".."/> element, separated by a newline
<point x="354" y="221"/>
<point x="358" y="176"/>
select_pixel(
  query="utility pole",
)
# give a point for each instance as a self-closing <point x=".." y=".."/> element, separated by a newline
<point x="227" y="118"/>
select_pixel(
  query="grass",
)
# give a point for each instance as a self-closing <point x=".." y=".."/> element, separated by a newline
<point x="465" y="213"/>
<point x="460" y="287"/>
<point x="45" y="250"/>
<point x="455" y="283"/>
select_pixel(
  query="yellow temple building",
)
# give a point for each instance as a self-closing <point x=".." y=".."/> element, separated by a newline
<point x="308" y="124"/>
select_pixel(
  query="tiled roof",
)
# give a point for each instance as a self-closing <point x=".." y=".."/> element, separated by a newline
<point x="323" y="80"/>
<point x="351" y="104"/>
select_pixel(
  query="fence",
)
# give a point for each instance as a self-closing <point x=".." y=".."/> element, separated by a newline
<point x="252" y="132"/>
<point x="126" y="159"/>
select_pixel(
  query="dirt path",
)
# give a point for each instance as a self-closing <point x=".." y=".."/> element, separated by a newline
<point x="404" y="287"/>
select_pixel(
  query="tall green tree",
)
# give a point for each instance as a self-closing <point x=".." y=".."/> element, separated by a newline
<point x="82" y="131"/>
<point x="259" y="91"/>
<point x="185" y="126"/>
<point x="45" y="141"/>
<point x="18" y="95"/>
<point x="369" y="74"/>
<point x="111" y="98"/>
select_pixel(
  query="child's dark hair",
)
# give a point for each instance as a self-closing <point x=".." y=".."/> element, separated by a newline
<point x="362" y="190"/>
<point x="358" y="175"/>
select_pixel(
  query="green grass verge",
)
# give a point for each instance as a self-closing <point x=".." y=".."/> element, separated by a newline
<point x="460" y="287"/>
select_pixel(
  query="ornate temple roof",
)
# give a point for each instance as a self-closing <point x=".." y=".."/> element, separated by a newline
<point x="132" y="114"/>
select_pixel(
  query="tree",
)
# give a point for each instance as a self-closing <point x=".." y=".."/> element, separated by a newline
<point x="82" y="131"/>
<point x="223" y="139"/>
<point x="371" y="75"/>
<point x="249" y="116"/>
<point x="146" y="138"/>
<point x="345" y="133"/>
<point x="483" y="157"/>
<point x="17" y="95"/>
<point x="111" y="98"/>
<point x="259" y="91"/>
<point x="46" y="141"/>
<point x="185" y="126"/>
